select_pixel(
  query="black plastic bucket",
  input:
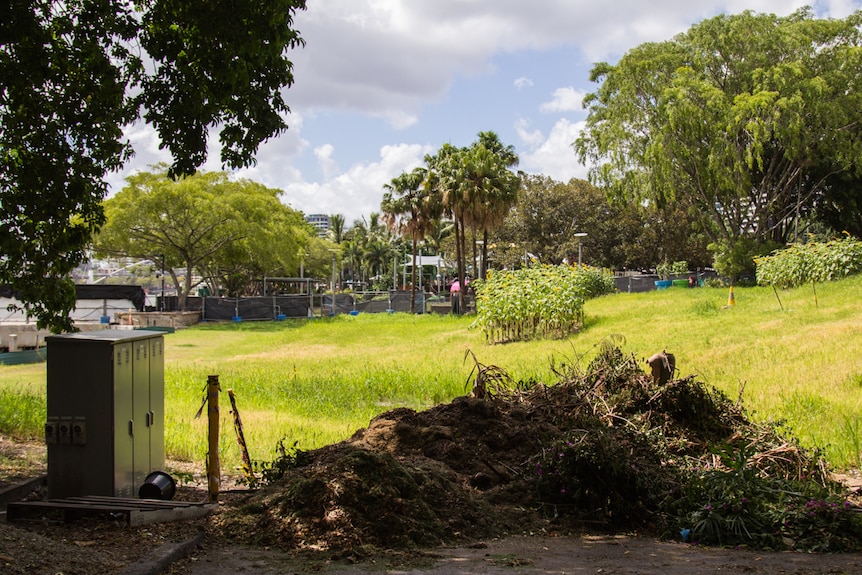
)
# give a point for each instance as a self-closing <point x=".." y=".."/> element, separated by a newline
<point x="158" y="485"/>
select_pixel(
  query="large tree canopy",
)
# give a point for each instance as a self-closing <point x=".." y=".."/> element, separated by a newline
<point x="74" y="74"/>
<point x="741" y="120"/>
<point x="548" y="214"/>
<point x="230" y="233"/>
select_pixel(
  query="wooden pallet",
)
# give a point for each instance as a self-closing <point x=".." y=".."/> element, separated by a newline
<point x="21" y="490"/>
<point x="132" y="511"/>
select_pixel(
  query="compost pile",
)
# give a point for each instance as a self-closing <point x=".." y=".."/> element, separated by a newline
<point x="605" y="448"/>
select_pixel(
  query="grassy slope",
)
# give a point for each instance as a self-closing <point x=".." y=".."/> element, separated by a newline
<point x="802" y="364"/>
<point x="318" y="381"/>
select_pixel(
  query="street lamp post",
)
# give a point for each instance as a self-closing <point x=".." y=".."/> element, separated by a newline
<point x="580" y="236"/>
<point x="162" y="302"/>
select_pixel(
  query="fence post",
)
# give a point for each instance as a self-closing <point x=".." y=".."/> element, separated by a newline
<point x="247" y="467"/>
<point x="213" y="465"/>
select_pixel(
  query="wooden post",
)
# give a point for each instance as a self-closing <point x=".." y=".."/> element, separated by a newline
<point x="240" y="437"/>
<point x="213" y="466"/>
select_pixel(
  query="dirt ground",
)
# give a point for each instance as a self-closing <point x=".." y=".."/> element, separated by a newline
<point x="536" y="555"/>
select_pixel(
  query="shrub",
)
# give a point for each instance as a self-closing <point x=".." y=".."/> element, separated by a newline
<point x="812" y="262"/>
<point x="737" y="261"/>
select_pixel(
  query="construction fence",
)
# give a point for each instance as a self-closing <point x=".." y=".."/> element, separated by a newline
<point x="315" y="305"/>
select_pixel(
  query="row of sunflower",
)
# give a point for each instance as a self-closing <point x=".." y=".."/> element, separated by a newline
<point x="539" y="302"/>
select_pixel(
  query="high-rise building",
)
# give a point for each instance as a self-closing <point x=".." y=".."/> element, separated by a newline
<point x="320" y="223"/>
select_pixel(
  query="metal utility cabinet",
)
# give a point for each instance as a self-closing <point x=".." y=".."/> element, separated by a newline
<point x="105" y="429"/>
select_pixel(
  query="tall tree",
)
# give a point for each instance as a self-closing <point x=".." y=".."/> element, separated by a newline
<point x="444" y="180"/>
<point x="409" y="210"/>
<point x="75" y="73"/>
<point x="336" y="228"/>
<point x="549" y="213"/>
<point x="204" y="224"/>
<point x="731" y="118"/>
<point x="270" y="236"/>
<point x="475" y="186"/>
<point x="492" y="186"/>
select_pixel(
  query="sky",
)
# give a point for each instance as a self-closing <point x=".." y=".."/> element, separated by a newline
<point x="381" y="83"/>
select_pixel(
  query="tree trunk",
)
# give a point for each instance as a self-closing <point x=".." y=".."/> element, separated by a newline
<point x="459" y="258"/>
<point x="462" y="241"/>
<point x="475" y="263"/>
<point x="484" y="259"/>
<point x="413" y="279"/>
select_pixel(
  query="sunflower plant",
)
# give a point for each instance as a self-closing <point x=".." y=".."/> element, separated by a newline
<point x="539" y="302"/>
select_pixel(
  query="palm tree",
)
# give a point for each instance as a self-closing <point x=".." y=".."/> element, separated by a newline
<point x="369" y="245"/>
<point x="408" y="212"/>
<point x="441" y="230"/>
<point x="492" y="187"/>
<point x="444" y="180"/>
<point x="336" y="228"/>
<point x="475" y="187"/>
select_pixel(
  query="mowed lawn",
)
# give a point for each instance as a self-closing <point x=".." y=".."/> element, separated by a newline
<point x="317" y="381"/>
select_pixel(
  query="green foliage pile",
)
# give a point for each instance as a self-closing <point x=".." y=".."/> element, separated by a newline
<point x="683" y="457"/>
<point x="605" y="446"/>
<point x="538" y="302"/>
<point x="801" y="264"/>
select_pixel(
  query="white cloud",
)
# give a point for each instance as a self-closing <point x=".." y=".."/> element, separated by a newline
<point x="394" y="60"/>
<point x="531" y="138"/>
<point x="357" y="191"/>
<point x="564" y="100"/>
<point x="387" y="58"/>
<point x="838" y="8"/>
<point x="555" y="157"/>
<point x="272" y="159"/>
<point x="523" y="82"/>
<point x="324" y="159"/>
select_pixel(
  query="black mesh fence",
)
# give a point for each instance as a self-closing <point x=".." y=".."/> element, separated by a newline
<point x="373" y="302"/>
<point x="255" y="308"/>
<point x="296" y="306"/>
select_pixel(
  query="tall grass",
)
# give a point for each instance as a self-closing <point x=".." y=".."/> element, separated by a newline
<point x="318" y="381"/>
<point x="23" y="411"/>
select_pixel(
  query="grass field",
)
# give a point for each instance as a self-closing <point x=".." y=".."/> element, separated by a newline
<point x="317" y="381"/>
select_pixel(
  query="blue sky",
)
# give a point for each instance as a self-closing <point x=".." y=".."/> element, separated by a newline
<point x="381" y="83"/>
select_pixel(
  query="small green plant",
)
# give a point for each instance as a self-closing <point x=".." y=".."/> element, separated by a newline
<point x="662" y="270"/>
<point x="286" y="458"/>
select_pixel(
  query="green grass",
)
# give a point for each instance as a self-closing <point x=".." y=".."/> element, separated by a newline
<point x="318" y="381"/>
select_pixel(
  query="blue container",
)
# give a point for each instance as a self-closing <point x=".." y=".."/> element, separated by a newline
<point x="663" y="284"/>
<point x="354" y="312"/>
<point x="280" y="317"/>
<point x="237" y="318"/>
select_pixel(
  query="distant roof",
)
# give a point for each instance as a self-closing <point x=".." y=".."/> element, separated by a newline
<point x="134" y="294"/>
<point x="435" y="261"/>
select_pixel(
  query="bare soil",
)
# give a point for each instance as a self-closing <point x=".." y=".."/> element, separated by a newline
<point x="530" y="555"/>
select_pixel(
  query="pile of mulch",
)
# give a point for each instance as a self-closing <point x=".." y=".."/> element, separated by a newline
<point x="468" y="469"/>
